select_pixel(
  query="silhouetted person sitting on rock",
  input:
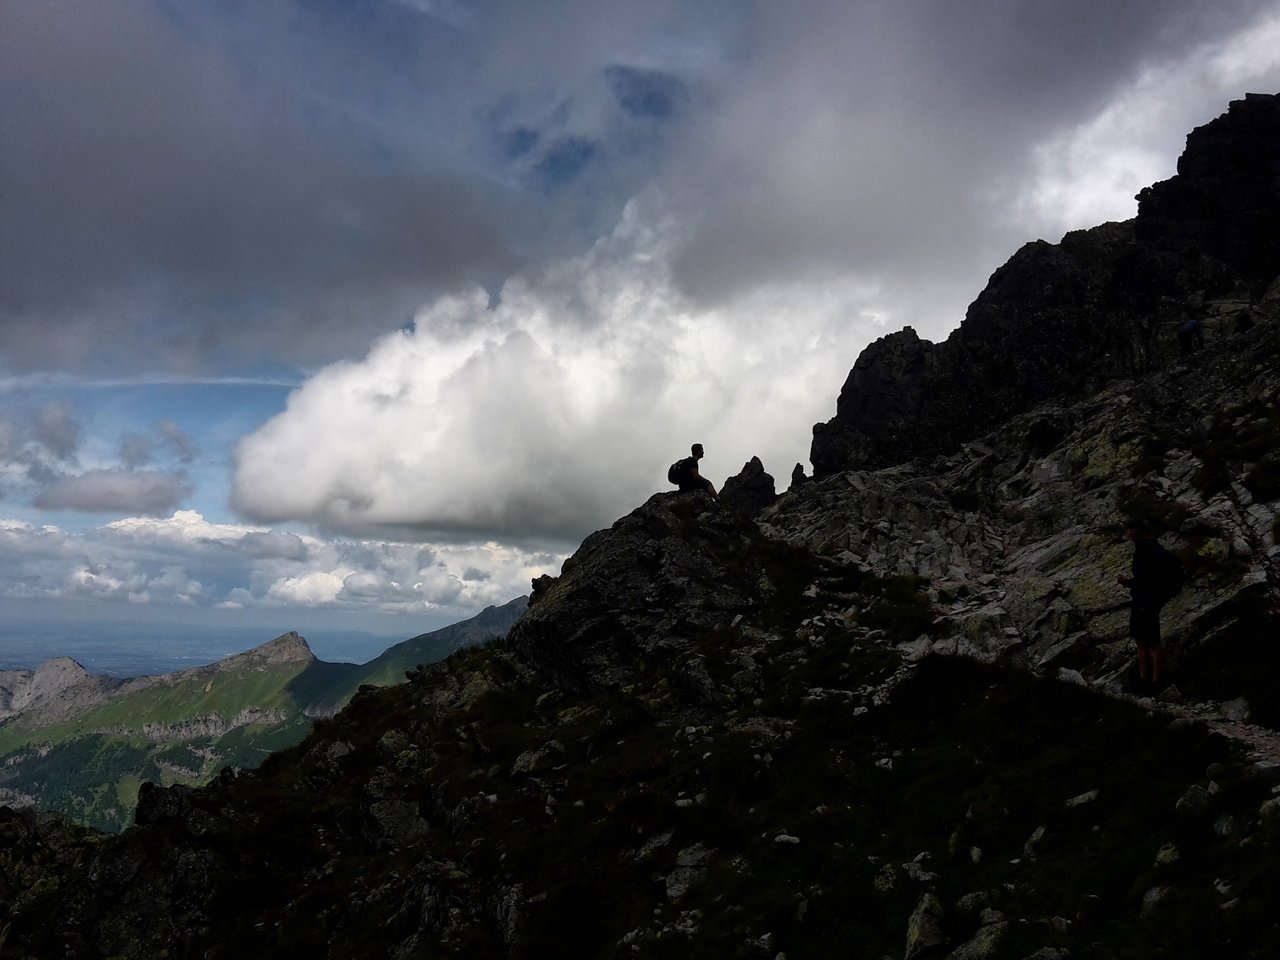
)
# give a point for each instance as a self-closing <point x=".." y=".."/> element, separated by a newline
<point x="684" y="473"/>
<point x="1156" y="578"/>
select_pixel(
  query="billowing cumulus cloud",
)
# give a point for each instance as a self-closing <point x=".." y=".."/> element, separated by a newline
<point x="549" y="413"/>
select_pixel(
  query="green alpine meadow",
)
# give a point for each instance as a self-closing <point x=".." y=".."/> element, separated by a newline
<point x="82" y="745"/>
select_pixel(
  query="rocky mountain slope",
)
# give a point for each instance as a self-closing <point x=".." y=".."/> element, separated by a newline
<point x="82" y="744"/>
<point x="1019" y="531"/>
<point x="886" y="719"/>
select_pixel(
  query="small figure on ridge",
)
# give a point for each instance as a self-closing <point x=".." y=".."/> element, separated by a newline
<point x="684" y="473"/>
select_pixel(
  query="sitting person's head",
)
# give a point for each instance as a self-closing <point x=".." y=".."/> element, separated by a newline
<point x="696" y="450"/>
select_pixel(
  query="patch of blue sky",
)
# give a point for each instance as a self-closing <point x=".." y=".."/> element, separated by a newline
<point x="564" y="162"/>
<point x="645" y="94"/>
<point x="215" y="414"/>
<point x="517" y="143"/>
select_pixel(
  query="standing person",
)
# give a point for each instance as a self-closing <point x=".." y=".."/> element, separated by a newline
<point x="1155" y="578"/>
<point x="684" y="473"/>
<point x="1190" y="336"/>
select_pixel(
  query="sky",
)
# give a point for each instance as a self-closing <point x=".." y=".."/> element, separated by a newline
<point x="352" y="316"/>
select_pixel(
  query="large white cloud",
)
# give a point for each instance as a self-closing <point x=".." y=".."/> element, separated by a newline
<point x="559" y="407"/>
<point x="1089" y="172"/>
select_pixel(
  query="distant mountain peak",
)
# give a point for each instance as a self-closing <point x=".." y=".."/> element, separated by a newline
<point x="61" y="669"/>
<point x="57" y="682"/>
<point x="287" y="648"/>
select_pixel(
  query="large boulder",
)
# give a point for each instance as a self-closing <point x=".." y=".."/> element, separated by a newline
<point x="751" y="490"/>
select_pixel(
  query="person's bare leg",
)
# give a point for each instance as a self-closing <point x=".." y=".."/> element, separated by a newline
<point x="1143" y="672"/>
<point x="1156" y="655"/>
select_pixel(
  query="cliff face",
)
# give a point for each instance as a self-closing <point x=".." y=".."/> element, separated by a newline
<point x="1061" y="320"/>
<point x="888" y="718"/>
<point x="57" y="687"/>
<point x="1214" y="223"/>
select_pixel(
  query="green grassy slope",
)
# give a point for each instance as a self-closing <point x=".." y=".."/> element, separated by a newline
<point x="189" y="726"/>
<point x="324" y="688"/>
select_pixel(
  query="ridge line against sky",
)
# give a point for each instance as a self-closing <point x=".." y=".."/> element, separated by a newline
<point x="360" y="313"/>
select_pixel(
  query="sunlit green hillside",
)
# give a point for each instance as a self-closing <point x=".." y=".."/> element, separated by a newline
<point x="186" y="727"/>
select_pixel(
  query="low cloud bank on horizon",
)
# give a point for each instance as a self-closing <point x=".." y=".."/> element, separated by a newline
<point x="186" y="561"/>
<point x="518" y="256"/>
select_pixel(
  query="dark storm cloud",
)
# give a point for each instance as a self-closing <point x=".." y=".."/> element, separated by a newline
<point x="274" y="545"/>
<point x="138" y="450"/>
<point x="208" y="184"/>
<point x="135" y="451"/>
<point x="158" y="180"/>
<point x="37" y="445"/>
<point x="645" y="94"/>
<point x="872" y="137"/>
<point x="282" y="178"/>
<point x="178" y="443"/>
<point x="146" y="492"/>
<point x="54" y="429"/>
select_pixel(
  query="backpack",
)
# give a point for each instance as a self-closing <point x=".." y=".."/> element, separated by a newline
<point x="678" y="472"/>
<point x="1172" y="575"/>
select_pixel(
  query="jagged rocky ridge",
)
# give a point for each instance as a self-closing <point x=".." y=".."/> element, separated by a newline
<point x="1062" y="319"/>
<point x="879" y="722"/>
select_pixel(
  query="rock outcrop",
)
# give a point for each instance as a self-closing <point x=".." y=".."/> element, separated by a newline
<point x="1210" y="231"/>
<point x="1060" y="320"/>
<point x="635" y="594"/>
<point x="57" y="689"/>
<point x="751" y="489"/>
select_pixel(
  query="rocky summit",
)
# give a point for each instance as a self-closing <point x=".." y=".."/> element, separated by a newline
<point x="1061" y="320"/>
<point x="887" y="714"/>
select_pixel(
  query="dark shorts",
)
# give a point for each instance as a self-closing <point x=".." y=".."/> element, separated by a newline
<point x="1144" y="623"/>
